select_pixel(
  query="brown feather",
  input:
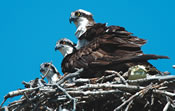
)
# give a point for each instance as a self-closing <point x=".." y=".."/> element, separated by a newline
<point x="109" y="48"/>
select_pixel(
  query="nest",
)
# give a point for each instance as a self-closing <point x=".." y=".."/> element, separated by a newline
<point x="111" y="92"/>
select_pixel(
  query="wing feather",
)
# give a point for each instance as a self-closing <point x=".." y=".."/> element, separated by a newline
<point x="109" y="47"/>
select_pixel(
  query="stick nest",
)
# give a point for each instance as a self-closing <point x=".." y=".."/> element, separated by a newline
<point x="111" y="92"/>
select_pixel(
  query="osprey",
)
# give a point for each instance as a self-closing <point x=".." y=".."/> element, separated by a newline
<point x="87" y="29"/>
<point x="51" y="71"/>
<point x="105" y="53"/>
<point x="65" y="46"/>
<point x="82" y="19"/>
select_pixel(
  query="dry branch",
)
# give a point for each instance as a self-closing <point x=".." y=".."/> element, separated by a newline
<point x="107" y="93"/>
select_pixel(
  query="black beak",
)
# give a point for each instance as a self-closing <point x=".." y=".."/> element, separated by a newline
<point x="57" y="47"/>
<point x="71" y="19"/>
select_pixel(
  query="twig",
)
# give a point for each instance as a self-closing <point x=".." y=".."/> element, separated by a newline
<point x="108" y="85"/>
<point x="82" y="80"/>
<point x="15" y="103"/>
<point x="166" y="106"/>
<point x="127" y="101"/>
<point x="40" y="82"/>
<point x="79" y="92"/>
<point x="49" y="109"/>
<point x="5" y="98"/>
<point x="128" y="106"/>
<point x="140" y="93"/>
<point x="104" y="78"/>
<point x="17" y="93"/>
<point x="70" y="75"/>
<point x="42" y="98"/>
<point x="70" y="97"/>
<point x="5" y="108"/>
<point x="26" y="84"/>
<point x="152" y="78"/>
<point x="118" y="74"/>
<point x="152" y="99"/>
<point x="164" y="92"/>
<point x="25" y="95"/>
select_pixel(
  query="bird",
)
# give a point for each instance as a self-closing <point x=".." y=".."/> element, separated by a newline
<point x="50" y="71"/>
<point x="65" y="46"/>
<point x="100" y="47"/>
<point x="104" y="53"/>
<point x="82" y="19"/>
<point x="88" y="29"/>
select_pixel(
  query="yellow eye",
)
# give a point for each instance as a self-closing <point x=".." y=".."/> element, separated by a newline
<point x="77" y="14"/>
<point x="64" y="42"/>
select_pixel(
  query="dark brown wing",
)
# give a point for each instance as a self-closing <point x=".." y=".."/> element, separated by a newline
<point x="106" y="52"/>
<point x="109" y="48"/>
<point x="125" y="35"/>
<point x="94" y="31"/>
<point x="98" y="30"/>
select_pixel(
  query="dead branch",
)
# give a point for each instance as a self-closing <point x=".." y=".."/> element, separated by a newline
<point x="118" y="74"/>
<point x="103" y="93"/>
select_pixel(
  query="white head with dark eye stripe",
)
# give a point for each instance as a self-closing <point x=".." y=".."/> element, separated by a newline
<point x="65" y="46"/>
<point x="81" y="19"/>
<point x="53" y="74"/>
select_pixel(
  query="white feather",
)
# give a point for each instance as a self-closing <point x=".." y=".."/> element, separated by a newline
<point x="66" y="50"/>
<point x="84" y="11"/>
<point x="81" y="43"/>
<point x="81" y="26"/>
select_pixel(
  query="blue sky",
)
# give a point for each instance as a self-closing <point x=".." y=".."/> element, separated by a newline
<point x="29" y="30"/>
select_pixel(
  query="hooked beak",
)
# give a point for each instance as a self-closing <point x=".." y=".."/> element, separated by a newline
<point x="57" y="48"/>
<point x="71" y="19"/>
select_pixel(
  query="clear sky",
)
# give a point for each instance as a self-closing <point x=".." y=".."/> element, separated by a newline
<point x="29" y="30"/>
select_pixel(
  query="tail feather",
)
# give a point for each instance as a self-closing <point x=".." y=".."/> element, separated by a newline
<point x="140" y="58"/>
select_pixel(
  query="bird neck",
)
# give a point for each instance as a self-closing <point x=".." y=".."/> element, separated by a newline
<point x="66" y="51"/>
<point x="81" y="43"/>
<point x="81" y="25"/>
<point x="82" y="22"/>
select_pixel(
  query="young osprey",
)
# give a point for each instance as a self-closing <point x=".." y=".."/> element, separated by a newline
<point x="51" y="71"/>
<point x="65" y="46"/>
<point x="104" y="53"/>
<point x="82" y="19"/>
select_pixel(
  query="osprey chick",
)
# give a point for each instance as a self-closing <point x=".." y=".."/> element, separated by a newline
<point x="82" y="19"/>
<point x="65" y="46"/>
<point x="52" y="73"/>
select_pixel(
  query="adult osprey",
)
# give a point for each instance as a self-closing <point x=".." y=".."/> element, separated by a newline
<point x="82" y="19"/>
<point x="87" y="29"/>
<point x="106" y="52"/>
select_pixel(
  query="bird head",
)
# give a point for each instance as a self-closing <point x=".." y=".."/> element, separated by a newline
<point x="65" y="46"/>
<point x="50" y="72"/>
<point x="44" y="67"/>
<point x="81" y="17"/>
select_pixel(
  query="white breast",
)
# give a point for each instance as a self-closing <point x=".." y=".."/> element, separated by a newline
<point x="81" y="43"/>
<point x="66" y="50"/>
<point x="81" y="26"/>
